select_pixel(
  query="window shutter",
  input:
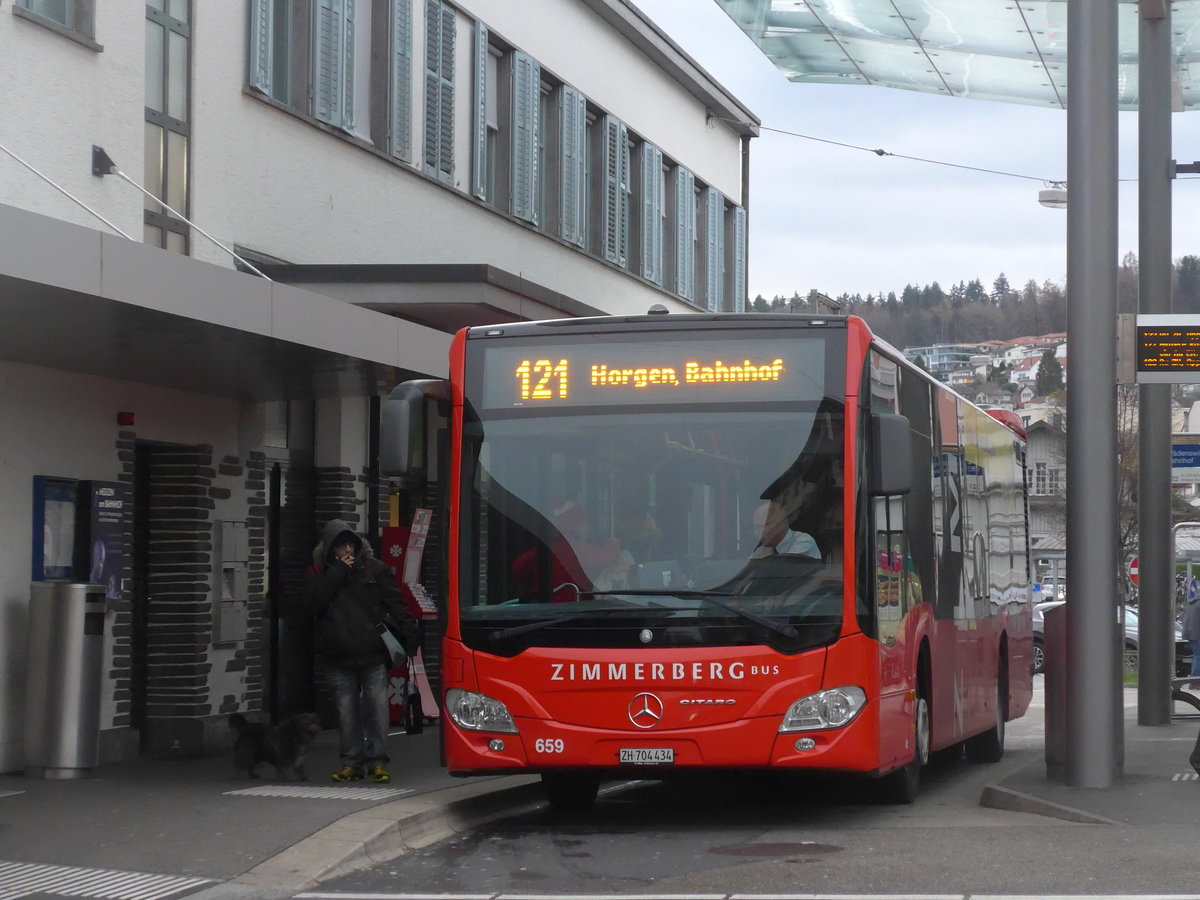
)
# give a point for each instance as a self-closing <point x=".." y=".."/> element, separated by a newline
<point x="479" y="159"/>
<point x="652" y="236"/>
<point x="616" y="188"/>
<point x="685" y="233"/>
<point x="439" y="90"/>
<point x="446" y="112"/>
<point x="401" y="118"/>
<point x="714" y="208"/>
<point x="433" y="43"/>
<point x="573" y="164"/>
<point x="738" y="299"/>
<point x="348" y="7"/>
<point x="261" y="45"/>
<point x="333" y="81"/>
<point x="526" y="105"/>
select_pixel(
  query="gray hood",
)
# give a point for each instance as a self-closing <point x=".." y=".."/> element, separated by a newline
<point x="333" y="528"/>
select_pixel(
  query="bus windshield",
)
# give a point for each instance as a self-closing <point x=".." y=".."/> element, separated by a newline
<point x="705" y="524"/>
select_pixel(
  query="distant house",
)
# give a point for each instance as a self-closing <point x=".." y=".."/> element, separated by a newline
<point x="995" y="396"/>
<point x="942" y="359"/>
<point x="1046" y="474"/>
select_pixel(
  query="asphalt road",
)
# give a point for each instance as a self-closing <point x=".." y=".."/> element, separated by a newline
<point x="783" y="836"/>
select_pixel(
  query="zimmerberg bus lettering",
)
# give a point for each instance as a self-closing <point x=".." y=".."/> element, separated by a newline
<point x="695" y="671"/>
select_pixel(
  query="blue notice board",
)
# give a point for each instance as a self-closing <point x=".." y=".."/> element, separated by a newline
<point x="1185" y="462"/>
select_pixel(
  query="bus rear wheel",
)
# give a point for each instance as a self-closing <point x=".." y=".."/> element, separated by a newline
<point x="902" y="785"/>
<point x="570" y="790"/>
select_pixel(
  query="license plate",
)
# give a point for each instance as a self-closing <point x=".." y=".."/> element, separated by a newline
<point x="647" y="756"/>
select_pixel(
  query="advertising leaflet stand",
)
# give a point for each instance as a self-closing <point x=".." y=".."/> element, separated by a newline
<point x="402" y="549"/>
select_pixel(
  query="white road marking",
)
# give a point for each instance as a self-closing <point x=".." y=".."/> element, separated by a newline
<point x="312" y="792"/>
<point x="336" y="895"/>
<point x="22" y="879"/>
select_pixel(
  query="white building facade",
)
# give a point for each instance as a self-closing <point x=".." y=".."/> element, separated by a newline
<point x="398" y="169"/>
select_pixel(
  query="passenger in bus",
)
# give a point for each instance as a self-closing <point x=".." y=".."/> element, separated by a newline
<point x="578" y="565"/>
<point x="777" y="538"/>
<point x="635" y="528"/>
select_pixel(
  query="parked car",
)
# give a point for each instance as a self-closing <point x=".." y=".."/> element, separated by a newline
<point x="1183" y="651"/>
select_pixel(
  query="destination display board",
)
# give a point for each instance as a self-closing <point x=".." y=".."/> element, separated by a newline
<point x="1167" y="349"/>
<point x="529" y="374"/>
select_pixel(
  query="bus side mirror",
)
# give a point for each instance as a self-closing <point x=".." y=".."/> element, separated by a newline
<point x="403" y="430"/>
<point x="891" y="454"/>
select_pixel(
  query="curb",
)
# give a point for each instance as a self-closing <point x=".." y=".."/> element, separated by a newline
<point x="998" y="797"/>
<point x="384" y="832"/>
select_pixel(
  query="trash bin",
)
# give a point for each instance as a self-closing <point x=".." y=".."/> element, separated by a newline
<point x="62" y="689"/>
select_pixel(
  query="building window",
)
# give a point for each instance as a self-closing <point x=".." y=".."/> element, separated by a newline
<point x="168" y="128"/>
<point x="1055" y="481"/>
<point x="508" y="133"/>
<point x="609" y="148"/>
<point x="270" y="48"/>
<point x="439" y="90"/>
<point x="353" y="58"/>
<point x="74" y="18"/>
<point x="648" y="211"/>
<point x="1041" y="479"/>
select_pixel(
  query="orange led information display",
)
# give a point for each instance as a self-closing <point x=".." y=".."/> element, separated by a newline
<point x="679" y="372"/>
<point x="1168" y="349"/>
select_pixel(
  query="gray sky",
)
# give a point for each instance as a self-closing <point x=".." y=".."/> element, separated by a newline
<point x="842" y="220"/>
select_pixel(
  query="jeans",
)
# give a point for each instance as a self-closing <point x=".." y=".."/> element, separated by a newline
<point x="360" y="695"/>
<point x="1195" y="645"/>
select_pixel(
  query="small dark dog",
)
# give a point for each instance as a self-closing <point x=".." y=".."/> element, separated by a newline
<point x="282" y="745"/>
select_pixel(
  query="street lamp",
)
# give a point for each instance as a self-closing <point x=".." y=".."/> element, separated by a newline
<point x="1054" y="196"/>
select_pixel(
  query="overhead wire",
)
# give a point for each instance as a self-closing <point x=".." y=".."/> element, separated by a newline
<point x="879" y="151"/>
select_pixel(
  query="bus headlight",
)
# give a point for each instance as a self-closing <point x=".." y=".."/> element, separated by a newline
<point x="478" y="712"/>
<point x="825" y="709"/>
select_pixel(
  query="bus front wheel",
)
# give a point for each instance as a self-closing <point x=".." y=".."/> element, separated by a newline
<point x="901" y="785"/>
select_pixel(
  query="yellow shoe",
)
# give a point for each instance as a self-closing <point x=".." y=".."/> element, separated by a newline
<point x="348" y="773"/>
<point x="380" y="775"/>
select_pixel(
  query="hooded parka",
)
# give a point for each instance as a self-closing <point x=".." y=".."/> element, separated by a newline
<point x="348" y="602"/>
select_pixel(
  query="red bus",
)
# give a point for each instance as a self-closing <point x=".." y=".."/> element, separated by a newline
<point x="719" y="542"/>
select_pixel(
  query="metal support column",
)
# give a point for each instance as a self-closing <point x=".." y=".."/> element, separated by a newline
<point x="1156" y="563"/>
<point x="1095" y="725"/>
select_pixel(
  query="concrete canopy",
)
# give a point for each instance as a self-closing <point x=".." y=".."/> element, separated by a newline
<point x="77" y="299"/>
<point x="1002" y="50"/>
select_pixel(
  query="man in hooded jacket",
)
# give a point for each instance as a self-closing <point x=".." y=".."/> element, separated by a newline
<point x="349" y="592"/>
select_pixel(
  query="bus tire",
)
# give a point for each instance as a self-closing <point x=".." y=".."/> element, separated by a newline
<point x="902" y="785"/>
<point x="988" y="747"/>
<point x="570" y="790"/>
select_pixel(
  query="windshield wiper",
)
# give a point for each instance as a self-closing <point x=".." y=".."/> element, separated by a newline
<point x="502" y="633"/>
<point x="710" y="597"/>
<point x="778" y="627"/>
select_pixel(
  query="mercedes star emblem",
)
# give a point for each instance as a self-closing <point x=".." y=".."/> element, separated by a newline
<point x="645" y="635"/>
<point x="645" y="710"/>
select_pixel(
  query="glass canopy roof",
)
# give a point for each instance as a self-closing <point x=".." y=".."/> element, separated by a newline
<point x="1008" y="50"/>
